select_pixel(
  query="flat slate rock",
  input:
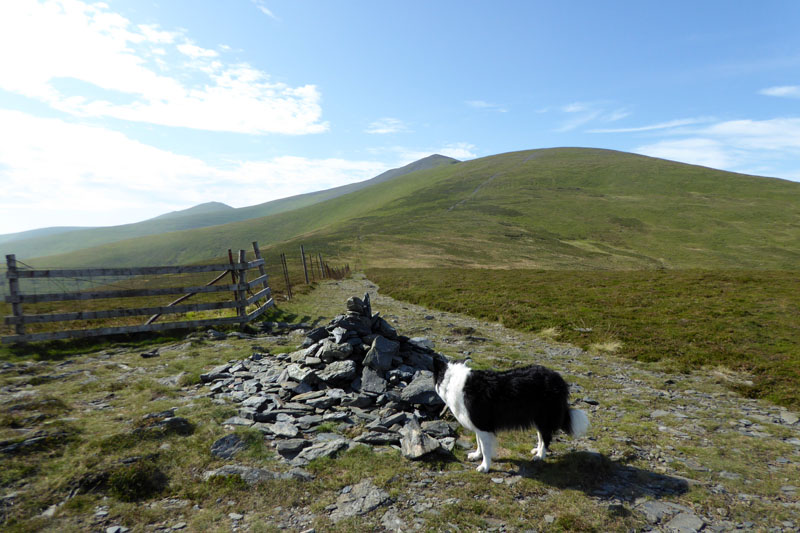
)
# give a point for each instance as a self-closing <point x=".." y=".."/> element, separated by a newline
<point x="227" y="446"/>
<point x="685" y="523"/>
<point x="359" y="499"/>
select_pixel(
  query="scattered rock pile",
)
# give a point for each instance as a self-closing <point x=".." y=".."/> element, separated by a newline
<point x="356" y="377"/>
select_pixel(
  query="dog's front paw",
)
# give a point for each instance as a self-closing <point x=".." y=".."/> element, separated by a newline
<point x="483" y="468"/>
<point x="474" y="456"/>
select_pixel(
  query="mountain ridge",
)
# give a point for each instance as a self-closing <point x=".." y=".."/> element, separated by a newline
<point x="43" y="243"/>
<point x="555" y="208"/>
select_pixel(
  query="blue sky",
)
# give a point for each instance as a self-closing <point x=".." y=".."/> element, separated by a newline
<point x="119" y="111"/>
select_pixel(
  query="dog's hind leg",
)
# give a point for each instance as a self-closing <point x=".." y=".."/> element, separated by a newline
<point x="545" y="437"/>
<point x="539" y="452"/>
<point x="487" y="443"/>
<point x="478" y="453"/>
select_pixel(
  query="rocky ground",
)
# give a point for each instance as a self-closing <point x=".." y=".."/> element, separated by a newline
<point x="666" y="452"/>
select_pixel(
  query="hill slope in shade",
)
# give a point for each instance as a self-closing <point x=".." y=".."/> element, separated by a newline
<point x="45" y="242"/>
<point x="566" y="208"/>
<point x="41" y="232"/>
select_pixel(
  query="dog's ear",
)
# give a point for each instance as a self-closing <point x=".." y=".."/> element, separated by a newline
<point x="439" y="368"/>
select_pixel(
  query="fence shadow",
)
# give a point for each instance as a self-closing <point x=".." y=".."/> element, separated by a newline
<point x="597" y="475"/>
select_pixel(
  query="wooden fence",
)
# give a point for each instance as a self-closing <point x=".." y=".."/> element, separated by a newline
<point x="242" y="291"/>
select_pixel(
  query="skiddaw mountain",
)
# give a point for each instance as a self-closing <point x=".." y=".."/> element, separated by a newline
<point x="562" y="208"/>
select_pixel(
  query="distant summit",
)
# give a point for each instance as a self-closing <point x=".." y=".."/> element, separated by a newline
<point x="200" y="209"/>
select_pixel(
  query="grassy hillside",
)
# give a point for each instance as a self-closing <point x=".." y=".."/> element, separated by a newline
<point x="30" y="234"/>
<point x="741" y="325"/>
<point x="567" y="208"/>
<point x="44" y="242"/>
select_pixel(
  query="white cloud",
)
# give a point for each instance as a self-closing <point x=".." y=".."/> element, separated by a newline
<point x="658" y="126"/>
<point x="195" y="51"/>
<point x="786" y="91"/>
<point x="696" y="151"/>
<point x="387" y="125"/>
<point x="59" y="173"/>
<point x="765" y="147"/>
<point x="582" y="113"/>
<point x="70" y="40"/>
<point x="481" y="104"/>
<point x="264" y="9"/>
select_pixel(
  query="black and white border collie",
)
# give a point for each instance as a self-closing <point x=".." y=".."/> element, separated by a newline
<point x="486" y="402"/>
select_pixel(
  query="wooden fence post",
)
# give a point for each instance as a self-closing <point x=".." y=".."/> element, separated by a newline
<point x="286" y="277"/>
<point x="321" y="269"/>
<point x="242" y="281"/>
<point x="13" y="290"/>
<point x="305" y="267"/>
<point x="262" y="269"/>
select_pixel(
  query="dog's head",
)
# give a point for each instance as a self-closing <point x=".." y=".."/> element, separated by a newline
<point x="439" y="369"/>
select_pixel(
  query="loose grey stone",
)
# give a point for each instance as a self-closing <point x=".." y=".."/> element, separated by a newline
<point x="237" y="421"/>
<point x="438" y="429"/>
<point x="227" y="446"/>
<point x="685" y="523"/>
<point x="321" y="449"/>
<point x="378" y="438"/>
<point x="414" y="442"/>
<point x="419" y="360"/>
<point x="333" y="351"/>
<point x="340" y="334"/>
<point x="358" y="500"/>
<point x="251" y="475"/>
<point x="391" y="521"/>
<point x="421" y="392"/>
<point x="381" y="353"/>
<point x="789" y="418"/>
<point x="422" y="342"/>
<point x="371" y="381"/>
<point x="655" y="511"/>
<point x="283" y="429"/>
<point x="380" y="326"/>
<point x="338" y="372"/>
<point x="297" y="373"/>
<point x="257" y="403"/>
<point x="288" y="449"/>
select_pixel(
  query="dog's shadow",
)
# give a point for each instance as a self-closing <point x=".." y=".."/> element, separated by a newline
<point x="597" y="475"/>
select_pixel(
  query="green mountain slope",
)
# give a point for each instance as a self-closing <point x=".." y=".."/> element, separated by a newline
<point x="45" y="242"/>
<point x="566" y="208"/>
<point x="41" y="232"/>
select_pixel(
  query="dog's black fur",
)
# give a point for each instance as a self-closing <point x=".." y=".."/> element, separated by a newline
<point x="520" y="398"/>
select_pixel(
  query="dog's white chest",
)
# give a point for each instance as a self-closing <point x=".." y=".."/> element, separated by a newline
<point x="451" y="390"/>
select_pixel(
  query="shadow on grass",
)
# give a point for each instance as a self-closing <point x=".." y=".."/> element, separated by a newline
<point x="597" y="475"/>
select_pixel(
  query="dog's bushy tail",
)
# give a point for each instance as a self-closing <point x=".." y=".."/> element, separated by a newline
<point x="578" y="423"/>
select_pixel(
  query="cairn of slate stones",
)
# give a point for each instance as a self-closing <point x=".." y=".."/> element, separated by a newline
<point x="354" y="377"/>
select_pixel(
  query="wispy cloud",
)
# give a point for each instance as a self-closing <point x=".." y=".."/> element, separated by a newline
<point x="579" y="114"/>
<point x="148" y="65"/>
<point x="652" y="127"/>
<point x="261" y="5"/>
<point x="785" y="91"/>
<point x="482" y="104"/>
<point x="386" y="125"/>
